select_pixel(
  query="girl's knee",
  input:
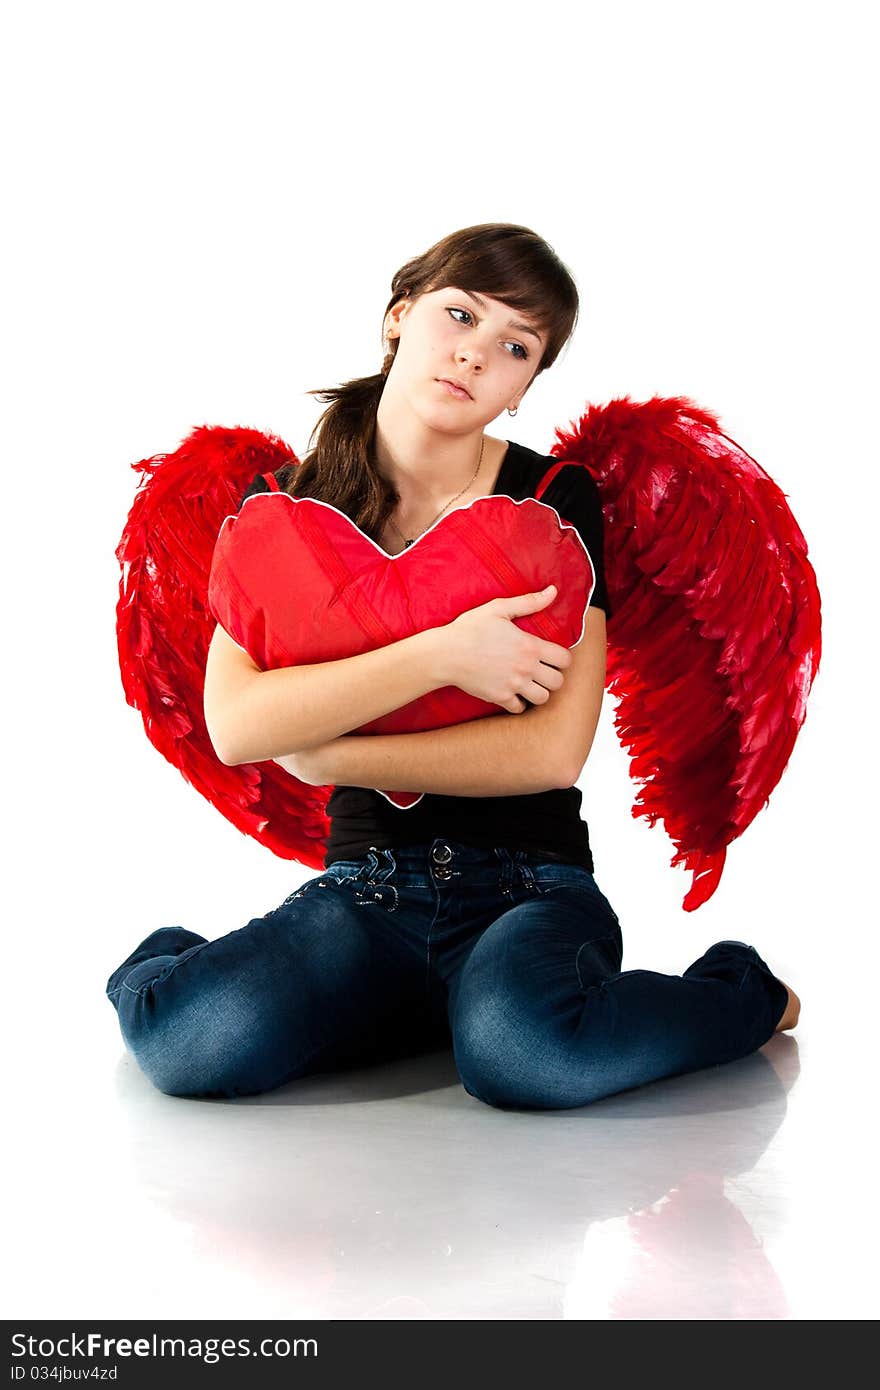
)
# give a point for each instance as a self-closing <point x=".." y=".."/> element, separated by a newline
<point x="224" y="1070"/>
<point x="492" y="1048"/>
<point x="507" y="1055"/>
<point x="212" y="1046"/>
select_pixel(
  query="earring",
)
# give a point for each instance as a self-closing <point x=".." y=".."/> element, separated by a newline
<point x="512" y="412"/>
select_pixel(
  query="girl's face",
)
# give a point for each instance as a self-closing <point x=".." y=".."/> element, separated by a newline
<point x="471" y="338"/>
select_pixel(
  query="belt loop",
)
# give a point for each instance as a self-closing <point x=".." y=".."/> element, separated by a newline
<point x="370" y="877"/>
<point x="370" y="873"/>
<point x="528" y="878"/>
<point x="505" y="877"/>
<point x="389" y="870"/>
<point x="369" y="866"/>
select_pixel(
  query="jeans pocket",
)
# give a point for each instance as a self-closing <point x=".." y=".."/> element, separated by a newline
<point x="382" y="893"/>
<point x="305" y="888"/>
<point x="350" y="877"/>
<point x="547" y="877"/>
<point x="371" y="882"/>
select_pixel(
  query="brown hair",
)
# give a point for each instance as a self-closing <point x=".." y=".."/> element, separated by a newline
<point x="500" y="259"/>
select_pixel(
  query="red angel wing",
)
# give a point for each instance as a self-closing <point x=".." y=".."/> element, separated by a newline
<point x="713" y="642"/>
<point x="715" y="632"/>
<point x="164" y="628"/>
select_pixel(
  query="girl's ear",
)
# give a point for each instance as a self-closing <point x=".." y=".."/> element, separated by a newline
<point x="396" y="313"/>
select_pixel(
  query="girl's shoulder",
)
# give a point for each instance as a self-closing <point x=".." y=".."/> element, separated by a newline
<point x="259" y="482"/>
<point x="524" y="469"/>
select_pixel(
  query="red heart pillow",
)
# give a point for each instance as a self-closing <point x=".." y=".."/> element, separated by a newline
<point x="293" y="581"/>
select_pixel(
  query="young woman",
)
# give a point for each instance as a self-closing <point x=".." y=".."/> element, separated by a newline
<point x="472" y="917"/>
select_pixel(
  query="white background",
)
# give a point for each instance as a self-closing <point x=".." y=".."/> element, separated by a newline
<point x="205" y="204"/>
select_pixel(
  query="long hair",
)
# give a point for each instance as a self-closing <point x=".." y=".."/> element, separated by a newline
<point x="500" y="259"/>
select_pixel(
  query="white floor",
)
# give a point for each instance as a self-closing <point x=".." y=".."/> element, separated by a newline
<point x="733" y="1193"/>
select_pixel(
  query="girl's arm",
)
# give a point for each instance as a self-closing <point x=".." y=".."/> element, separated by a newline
<point x="250" y="712"/>
<point x="500" y="755"/>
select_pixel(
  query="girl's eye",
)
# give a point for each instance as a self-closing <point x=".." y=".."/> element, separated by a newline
<point x="468" y="312"/>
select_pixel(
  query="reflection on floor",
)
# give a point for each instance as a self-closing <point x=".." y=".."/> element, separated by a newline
<point x="389" y="1192"/>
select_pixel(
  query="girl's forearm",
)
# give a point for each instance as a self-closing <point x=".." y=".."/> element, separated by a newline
<point x="499" y="755"/>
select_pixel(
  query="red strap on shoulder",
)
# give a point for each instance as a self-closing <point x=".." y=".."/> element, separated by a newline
<point x="548" y="477"/>
<point x="272" y="481"/>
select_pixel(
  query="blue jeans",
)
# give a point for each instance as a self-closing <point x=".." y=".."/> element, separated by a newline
<point x="512" y="960"/>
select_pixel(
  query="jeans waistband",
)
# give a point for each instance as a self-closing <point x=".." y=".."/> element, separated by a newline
<point x="440" y="859"/>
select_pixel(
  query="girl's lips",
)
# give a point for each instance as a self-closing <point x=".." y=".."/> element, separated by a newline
<point x="455" y="390"/>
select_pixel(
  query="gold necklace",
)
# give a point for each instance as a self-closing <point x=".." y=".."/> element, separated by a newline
<point x="448" y="504"/>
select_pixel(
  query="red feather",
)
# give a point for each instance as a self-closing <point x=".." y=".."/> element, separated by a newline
<point x="163" y="630"/>
<point x="715" y="637"/>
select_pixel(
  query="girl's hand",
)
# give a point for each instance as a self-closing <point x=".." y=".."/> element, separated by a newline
<point x="310" y="765"/>
<point x="489" y="657"/>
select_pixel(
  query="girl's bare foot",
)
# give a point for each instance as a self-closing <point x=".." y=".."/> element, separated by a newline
<point x="792" y="1011"/>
